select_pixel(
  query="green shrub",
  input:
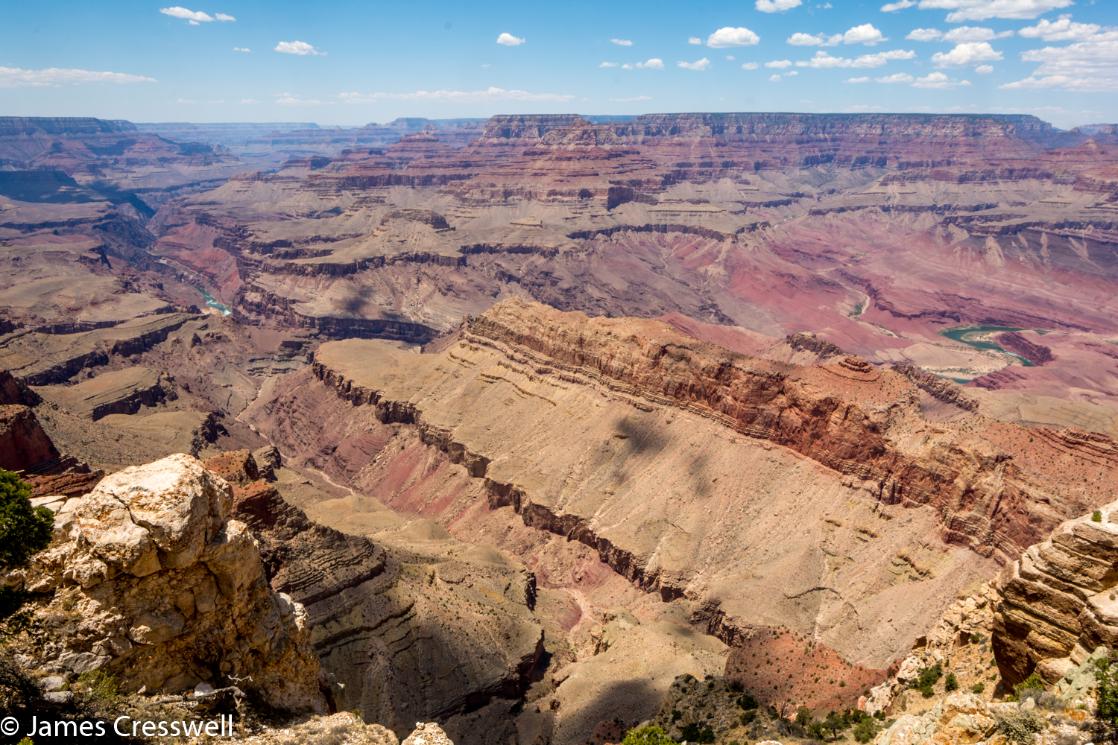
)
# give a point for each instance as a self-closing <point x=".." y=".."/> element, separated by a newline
<point x="926" y="680"/>
<point x="978" y="688"/>
<point x="647" y="736"/>
<point x="23" y="529"/>
<point x="746" y="702"/>
<point x="698" y="733"/>
<point x="865" y="730"/>
<point x="1106" y="694"/>
<point x="1019" y="727"/>
<point x="951" y="683"/>
<point x="1096" y="516"/>
<point x="1030" y="687"/>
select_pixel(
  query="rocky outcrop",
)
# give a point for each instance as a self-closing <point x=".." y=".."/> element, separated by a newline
<point x="23" y="443"/>
<point x="346" y="728"/>
<point x="1059" y="602"/>
<point x="150" y="580"/>
<point x="14" y="391"/>
<point x="1036" y="354"/>
<point x="403" y="638"/>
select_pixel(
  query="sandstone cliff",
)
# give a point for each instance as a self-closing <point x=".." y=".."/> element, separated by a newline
<point x="149" y="580"/>
<point x="1059" y="602"/>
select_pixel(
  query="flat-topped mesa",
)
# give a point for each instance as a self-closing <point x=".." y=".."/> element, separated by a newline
<point x="1059" y="602"/>
<point x="62" y="125"/>
<point x="984" y="499"/>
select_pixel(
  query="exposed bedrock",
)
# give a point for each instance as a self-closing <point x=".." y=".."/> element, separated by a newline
<point x="23" y="443"/>
<point x="406" y="637"/>
<point x="150" y="580"/>
<point x="1059" y="602"/>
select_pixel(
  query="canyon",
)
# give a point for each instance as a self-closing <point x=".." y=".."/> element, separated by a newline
<point x="518" y="422"/>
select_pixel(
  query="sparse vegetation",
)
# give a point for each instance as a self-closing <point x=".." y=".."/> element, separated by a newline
<point x="978" y="687"/>
<point x="24" y="530"/>
<point x="950" y="683"/>
<point x="1030" y="687"/>
<point x="1106" y="699"/>
<point x="1019" y="727"/>
<point x="1096" y="516"/>
<point x="926" y="680"/>
<point x="647" y="736"/>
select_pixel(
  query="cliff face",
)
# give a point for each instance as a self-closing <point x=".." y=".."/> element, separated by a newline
<point x="1058" y="602"/>
<point x="405" y="639"/>
<point x="23" y="443"/>
<point x="150" y="580"/>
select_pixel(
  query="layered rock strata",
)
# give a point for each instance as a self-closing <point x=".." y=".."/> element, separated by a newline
<point x="1059" y="602"/>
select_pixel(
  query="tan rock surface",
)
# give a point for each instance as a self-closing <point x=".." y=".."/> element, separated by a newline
<point x="150" y="580"/>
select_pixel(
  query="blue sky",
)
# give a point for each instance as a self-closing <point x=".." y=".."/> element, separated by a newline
<point x="351" y="62"/>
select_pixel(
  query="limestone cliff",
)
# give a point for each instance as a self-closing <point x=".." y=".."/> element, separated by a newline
<point x="150" y="580"/>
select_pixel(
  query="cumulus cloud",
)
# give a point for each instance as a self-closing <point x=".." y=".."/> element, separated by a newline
<point x="825" y="61"/>
<point x="698" y="65"/>
<point x="974" y="33"/>
<point x="778" y="76"/>
<point x="900" y="5"/>
<point x="694" y="41"/>
<point x="779" y="64"/>
<point x="506" y="39"/>
<point x="1090" y="65"/>
<point x="652" y="63"/>
<point x="492" y="93"/>
<point x="981" y="10"/>
<point x="967" y="53"/>
<point x="859" y="79"/>
<point x="938" y="80"/>
<point x="242" y="50"/>
<point x="18" y="77"/>
<point x="195" y="17"/>
<point x="732" y="36"/>
<point x="800" y="39"/>
<point x="777" y="6"/>
<point x="866" y="33"/>
<point x="298" y="48"/>
<point x="749" y="66"/>
<point x="608" y="65"/>
<point x="621" y="42"/>
<point x="984" y="69"/>
<point x="924" y="34"/>
<point x="1062" y="29"/>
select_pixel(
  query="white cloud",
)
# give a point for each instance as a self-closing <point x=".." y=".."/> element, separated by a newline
<point x="242" y="50"/>
<point x="866" y="33"/>
<point x="984" y="69"/>
<point x="185" y="14"/>
<point x="698" y="65"/>
<point x="779" y="64"/>
<point x="694" y="41"/>
<point x="652" y="63"/>
<point x="897" y="77"/>
<point x="924" y="34"/>
<point x="775" y="77"/>
<point x="899" y="5"/>
<point x="731" y="58"/>
<point x="18" y="77"/>
<point x="777" y="6"/>
<point x="825" y="61"/>
<point x="974" y="33"/>
<point x="732" y="36"/>
<point x="608" y="65"/>
<point x="631" y="99"/>
<point x="1090" y="65"/>
<point x="861" y="79"/>
<point x="298" y="48"/>
<point x="492" y="93"/>
<point x="967" y="53"/>
<point x="800" y="39"/>
<point x="195" y="17"/>
<point x="293" y="99"/>
<point x="1062" y="29"/>
<point x="749" y="66"/>
<point x="506" y="39"/>
<point x="622" y="42"/>
<point x="249" y="101"/>
<point x="938" y="80"/>
<point x="981" y="10"/>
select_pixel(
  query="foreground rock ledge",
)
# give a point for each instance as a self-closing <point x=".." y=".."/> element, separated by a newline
<point x="149" y="580"/>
